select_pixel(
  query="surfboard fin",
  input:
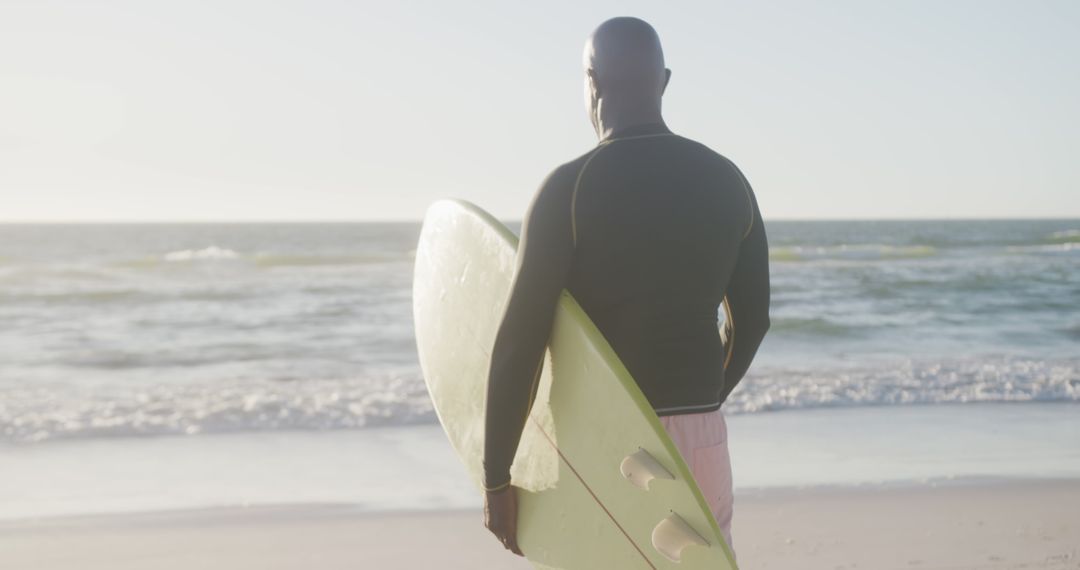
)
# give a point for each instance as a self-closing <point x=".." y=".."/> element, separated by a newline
<point x="639" y="468"/>
<point x="673" y="535"/>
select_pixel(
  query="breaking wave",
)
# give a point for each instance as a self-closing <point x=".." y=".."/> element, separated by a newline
<point x="1065" y="236"/>
<point x="850" y="252"/>
<point x="34" y="414"/>
<point x="212" y="252"/>
<point x="911" y="382"/>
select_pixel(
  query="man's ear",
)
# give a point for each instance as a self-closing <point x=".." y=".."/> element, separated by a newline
<point x="594" y="85"/>
<point x="667" y="78"/>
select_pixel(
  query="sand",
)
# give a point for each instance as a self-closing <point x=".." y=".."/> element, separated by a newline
<point x="996" y="524"/>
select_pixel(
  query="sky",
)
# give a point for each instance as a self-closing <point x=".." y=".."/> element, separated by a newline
<point x="318" y="110"/>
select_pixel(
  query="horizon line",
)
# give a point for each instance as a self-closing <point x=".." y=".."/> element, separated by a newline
<point x="513" y="220"/>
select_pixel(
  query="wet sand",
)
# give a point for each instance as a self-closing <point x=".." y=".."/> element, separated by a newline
<point x="993" y="524"/>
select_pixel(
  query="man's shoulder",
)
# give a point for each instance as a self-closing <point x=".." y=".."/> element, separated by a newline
<point x="564" y="177"/>
<point x="569" y="170"/>
<point x="705" y="150"/>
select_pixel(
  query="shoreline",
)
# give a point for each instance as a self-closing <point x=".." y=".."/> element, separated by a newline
<point x="973" y="524"/>
<point x="337" y="509"/>
<point x="380" y="469"/>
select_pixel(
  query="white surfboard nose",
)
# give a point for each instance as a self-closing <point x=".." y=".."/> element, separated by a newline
<point x="641" y="467"/>
<point x="673" y="535"/>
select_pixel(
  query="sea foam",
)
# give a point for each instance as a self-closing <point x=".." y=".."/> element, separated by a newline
<point x="212" y="252"/>
<point x="39" y="413"/>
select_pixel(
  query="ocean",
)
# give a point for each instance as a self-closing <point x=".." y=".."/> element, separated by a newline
<point x="183" y="333"/>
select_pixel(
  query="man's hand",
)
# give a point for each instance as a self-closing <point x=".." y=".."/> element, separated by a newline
<point x="500" y="516"/>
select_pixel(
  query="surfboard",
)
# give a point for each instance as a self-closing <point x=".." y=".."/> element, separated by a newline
<point x="601" y="484"/>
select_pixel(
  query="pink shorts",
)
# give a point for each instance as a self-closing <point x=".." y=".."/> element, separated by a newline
<point x="702" y="440"/>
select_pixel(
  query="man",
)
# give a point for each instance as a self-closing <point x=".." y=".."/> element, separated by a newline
<point x="650" y="232"/>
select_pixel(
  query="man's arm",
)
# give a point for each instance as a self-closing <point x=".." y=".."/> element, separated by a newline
<point x="747" y="300"/>
<point x="545" y="252"/>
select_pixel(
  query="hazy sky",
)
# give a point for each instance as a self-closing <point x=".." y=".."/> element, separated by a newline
<point x="310" y="110"/>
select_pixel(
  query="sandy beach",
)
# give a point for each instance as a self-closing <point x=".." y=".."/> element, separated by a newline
<point x="952" y="525"/>
<point x="281" y="281"/>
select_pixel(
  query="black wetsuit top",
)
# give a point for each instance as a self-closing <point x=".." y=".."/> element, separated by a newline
<point x="649" y="232"/>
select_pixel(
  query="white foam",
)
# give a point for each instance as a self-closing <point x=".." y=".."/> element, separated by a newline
<point x="1045" y="248"/>
<point x="30" y="413"/>
<point x="207" y="253"/>
<point x="850" y="252"/>
<point x="33" y="414"/>
<point x="1065" y="234"/>
<point x="910" y="382"/>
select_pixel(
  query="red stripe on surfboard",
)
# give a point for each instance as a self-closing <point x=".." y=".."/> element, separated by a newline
<point x="595" y="498"/>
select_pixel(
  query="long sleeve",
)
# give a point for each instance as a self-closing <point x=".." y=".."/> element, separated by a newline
<point x="544" y="256"/>
<point x="747" y="300"/>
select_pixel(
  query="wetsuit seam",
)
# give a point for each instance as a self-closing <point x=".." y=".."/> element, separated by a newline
<point x="573" y="194"/>
<point x="584" y="167"/>
<point x="498" y="487"/>
<point x="749" y="200"/>
<point x="742" y="180"/>
<point x="746" y="190"/>
<point x="712" y="405"/>
<point x="609" y="141"/>
<point x="731" y="338"/>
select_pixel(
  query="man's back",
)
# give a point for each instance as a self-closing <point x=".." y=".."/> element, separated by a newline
<point x="659" y="221"/>
<point x="649" y="232"/>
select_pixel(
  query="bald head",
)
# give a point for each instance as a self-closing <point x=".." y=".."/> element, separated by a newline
<point x="625" y="54"/>
<point x="624" y="68"/>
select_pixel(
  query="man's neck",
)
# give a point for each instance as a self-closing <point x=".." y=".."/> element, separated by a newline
<point x="634" y="128"/>
<point x="612" y="122"/>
